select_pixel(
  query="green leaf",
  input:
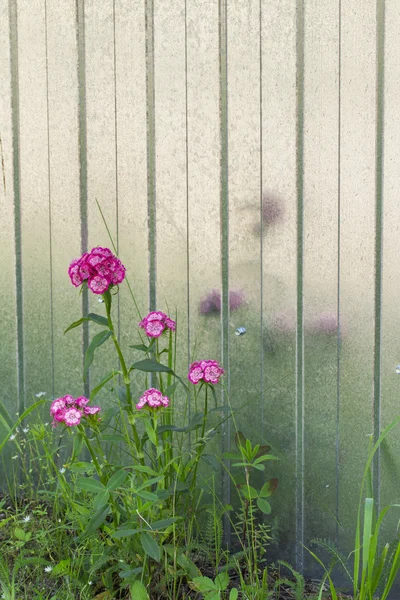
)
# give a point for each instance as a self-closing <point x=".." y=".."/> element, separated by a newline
<point x="90" y="485"/>
<point x="164" y="523"/>
<point x="150" y="546"/>
<point x="91" y="317"/>
<point x="234" y="594"/>
<point x="264" y="506"/>
<point x="121" y="533"/>
<point x="82" y="467"/>
<point x="77" y="445"/>
<point x="265" y="457"/>
<point x="20" y="534"/>
<point x="145" y="469"/>
<point x="140" y="347"/>
<point x="240" y="440"/>
<point x="196" y="421"/>
<point x="117" y="479"/>
<point x="269" y="488"/>
<point x="98" y="340"/>
<point x="147" y="496"/>
<point x="101" y="499"/>
<point x="113" y="437"/>
<point x="149" y="365"/>
<point x="248" y="491"/>
<point x="5" y="419"/>
<point x="150" y="431"/>
<point x="262" y="450"/>
<point x="103" y="382"/>
<point x="98" y="519"/>
<point x="205" y="584"/>
<point x="138" y="591"/>
<point x="222" y="581"/>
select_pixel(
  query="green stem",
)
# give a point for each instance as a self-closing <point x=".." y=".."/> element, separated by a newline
<point x="200" y="446"/>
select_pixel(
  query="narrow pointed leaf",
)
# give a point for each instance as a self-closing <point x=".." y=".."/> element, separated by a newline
<point x="98" y="340"/>
<point x="150" y="546"/>
<point x="91" y="317"/>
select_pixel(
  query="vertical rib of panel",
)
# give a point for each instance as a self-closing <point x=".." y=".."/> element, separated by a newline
<point x="16" y="179"/>
<point x="380" y="82"/>
<point x="151" y="152"/>
<point x="224" y="203"/>
<point x="82" y="133"/>
<point x="300" y="316"/>
<point x="338" y="311"/>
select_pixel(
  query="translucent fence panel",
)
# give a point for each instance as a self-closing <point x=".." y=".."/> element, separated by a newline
<point x="245" y="158"/>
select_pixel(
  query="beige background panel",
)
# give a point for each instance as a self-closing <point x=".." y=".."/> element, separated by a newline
<point x="279" y="251"/>
<point x="8" y="349"/>
<point x="35" y="197"/>
<point x="203" y="169"/>
<point x="320" y="267"/>
<point x="390" y="472"/>
<point x="132" y="161"/>
<point x="171" y="196"/>
<point x="356" y="251"/>
<point x="64" y="191"/>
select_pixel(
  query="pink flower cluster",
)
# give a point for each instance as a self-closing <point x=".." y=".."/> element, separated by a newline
<point x="212" y="302"/>
<point x="100" y="268"/>
<point x="155" y="323"/>
<point x="69" y="410"/>
<point x="208" y="370"/>
<point x="153" y="398"/>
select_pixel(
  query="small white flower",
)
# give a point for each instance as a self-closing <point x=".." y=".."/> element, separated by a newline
<point x="27" y="518"/>
<point x="12" y="437"/>
<point x="40" y="394"/>
<point x="90" y="582"/>
<point x="14" y="457"/>
<point x="46" y="424"/>
<point x="48" y="569"/>
<point x="62" y="470"/>
<point x="26" y="429"/>
<point x="17" y="430"/>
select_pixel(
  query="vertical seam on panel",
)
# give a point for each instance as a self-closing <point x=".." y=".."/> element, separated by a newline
<point x="187" y="206"/>
<point x="224" y="211"/>
<point x="116" y="161"/>
<point x="261" y="232"/>
<point x="82" y="134"/>
<point x="17" y="199"/>
<point x="338" y="356"/>
<point x="49" y="193"/>
<point x="151" y="156"/>
<point x="299" y="329"/>
<point x="379" y="149"/>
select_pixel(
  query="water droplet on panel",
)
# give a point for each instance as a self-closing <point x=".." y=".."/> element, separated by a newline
<point x="398" y="369"/>
<point x="240" y="331"/>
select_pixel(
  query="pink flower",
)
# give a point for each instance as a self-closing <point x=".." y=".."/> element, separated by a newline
<point x="56" y="405"/>
<point x="208" y="370"/>
<point x="212" y="302"/>
<point x="91" y="410"/>
<point x="70" y="410"/>
<point x="99" y="267"/>
<point x="81" y="401"/>
<point x="153" y="398"/>
<point x="155" y="323"/>
<point x="72" y="417"/>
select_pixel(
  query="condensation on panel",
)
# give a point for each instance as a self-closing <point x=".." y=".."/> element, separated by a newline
<point x="357" y="248"/>
<point x="130" y="81"/>
<point x="279" y="253"/>
<point x="204" y="251"/>
<point x="244" y="184"/>
<point x="321" y="60"/>
<point x="8" y="347"/>
<point x="35" y="255"/>
<point x="101" y="157"/>
<point x="171" y="171"/>
<point x="390" y="469"/>
<point x="64" y="192"/>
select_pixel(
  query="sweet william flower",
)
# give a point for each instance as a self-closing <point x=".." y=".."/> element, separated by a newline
<point x="209" y="371"/>
<point x="155" y="323"/>
<point x="70" y="410"/>
<point x="153" y="398"/>
<point x="99" y="267"/>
